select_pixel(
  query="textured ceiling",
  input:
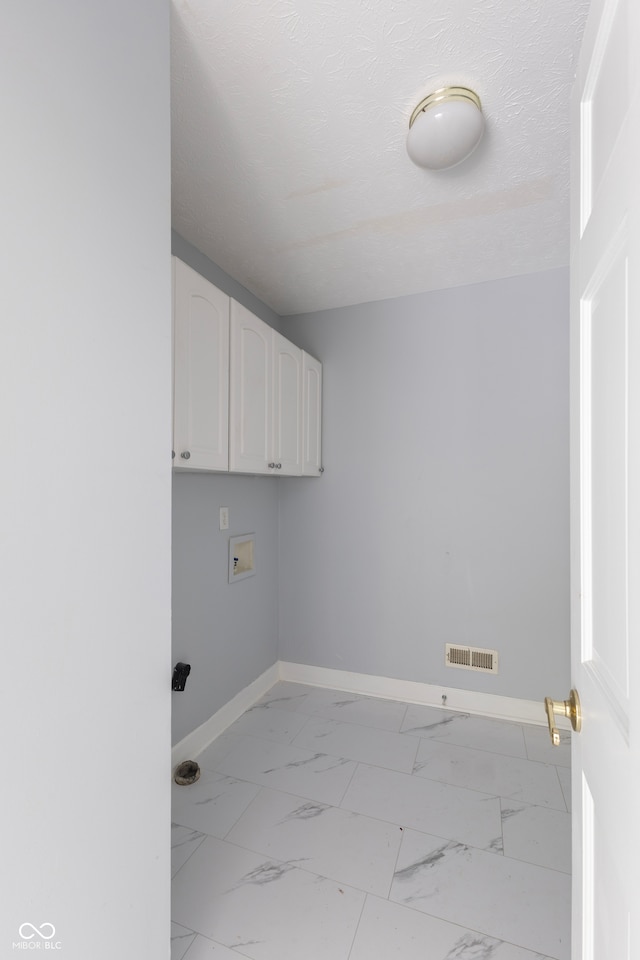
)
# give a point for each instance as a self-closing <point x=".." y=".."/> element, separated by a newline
<point x="289" y="119"/>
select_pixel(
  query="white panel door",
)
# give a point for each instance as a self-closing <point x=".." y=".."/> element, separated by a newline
<point x="287" y="406"/>
<point x="606" y="485"/>
<point x="312" y="416"/>
<point x="201" y="372"/>
<point x="251" y="393"/>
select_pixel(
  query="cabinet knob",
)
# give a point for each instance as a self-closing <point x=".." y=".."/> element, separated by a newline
<point x="185" y="455"/>
<point x="278" y="466"/>
<point x="173" y="454"/>
<point x="271" y="466"/>
<point x="321" y="470"/>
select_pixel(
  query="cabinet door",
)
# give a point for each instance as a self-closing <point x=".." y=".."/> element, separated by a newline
<point x="312" y="416"/>
<point x="287" y="406"/>
<point x="250" y="398"/>
<point x="201" y="372"/>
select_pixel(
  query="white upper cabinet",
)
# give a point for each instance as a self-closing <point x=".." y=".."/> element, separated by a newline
<point x="245" y="399"/>
<point x="251" y="393"/>
<point x="311" y="416"/>
<point x="265" y="410"/>
<point x="201" y="372"/>
<point x="287" y="407"/>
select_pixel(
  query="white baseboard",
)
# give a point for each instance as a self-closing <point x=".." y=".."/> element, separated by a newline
<point x="409" y="691"/>
<point x="196" y="741"/>
<point x="465" y="701"/>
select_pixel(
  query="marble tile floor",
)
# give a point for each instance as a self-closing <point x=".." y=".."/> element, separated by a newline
<point x="332" y="826"/>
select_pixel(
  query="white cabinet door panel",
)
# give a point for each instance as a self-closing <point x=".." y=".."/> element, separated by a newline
<point x="250" y="402"/>
<point x="201" y="372"/>
<point x="287" y="406"/>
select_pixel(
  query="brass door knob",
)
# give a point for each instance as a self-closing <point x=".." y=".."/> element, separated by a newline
<point x="563" y="708"/>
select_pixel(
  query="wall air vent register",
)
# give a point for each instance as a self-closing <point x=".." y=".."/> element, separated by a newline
<point x="471" y="658"/>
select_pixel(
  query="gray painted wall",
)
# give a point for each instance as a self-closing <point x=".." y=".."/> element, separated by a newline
<point x="443" y="511"/>
<point x="227" y="632"/>
<point x="442" y="514"/>
<point x="85" y="373"/>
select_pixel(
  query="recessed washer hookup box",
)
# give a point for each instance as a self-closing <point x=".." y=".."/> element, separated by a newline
<point x="242" y="557"/>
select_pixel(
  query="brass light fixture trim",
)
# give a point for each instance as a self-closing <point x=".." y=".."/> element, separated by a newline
<point x="445" y="94"/>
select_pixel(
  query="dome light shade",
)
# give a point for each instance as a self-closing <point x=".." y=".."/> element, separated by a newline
<point x="445" y="128"/>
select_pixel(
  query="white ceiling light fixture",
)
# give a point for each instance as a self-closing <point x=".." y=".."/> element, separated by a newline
<point x="445" y="128"/>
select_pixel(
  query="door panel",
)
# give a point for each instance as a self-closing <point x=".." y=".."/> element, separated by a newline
<point x="604" y="335"/>
<point x="606" y="93"/>
<point x="605" y="536"/>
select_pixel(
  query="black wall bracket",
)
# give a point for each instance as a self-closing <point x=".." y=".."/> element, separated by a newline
<point x="180" y="674"/>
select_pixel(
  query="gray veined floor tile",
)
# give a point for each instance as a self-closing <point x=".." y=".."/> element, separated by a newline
<point x="521" y="903"/>
<point x="264" y="909"/>
<point x="539" y="746"/>
<point x="465" y="730"/>
<point x="331" y="842"/>
<point x="389" y="931"/>
<point x="212" y="804"/>
<point x="181" y="940"/>
<point x="184" y="841"/>
<point x="204" y="949"/>
<point x="285" y="696"/>
<point x="313" y="775"/>
<point x="491" y="773"/>
<point x="408" y="801"/>
<point x="282" y="726"/>
<point x="355" y="708"/>
<point x="383" y="748"/>
<point x="216" y="751"/>
<point x="315" y="827"/>
<point x="537" y="834"/>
